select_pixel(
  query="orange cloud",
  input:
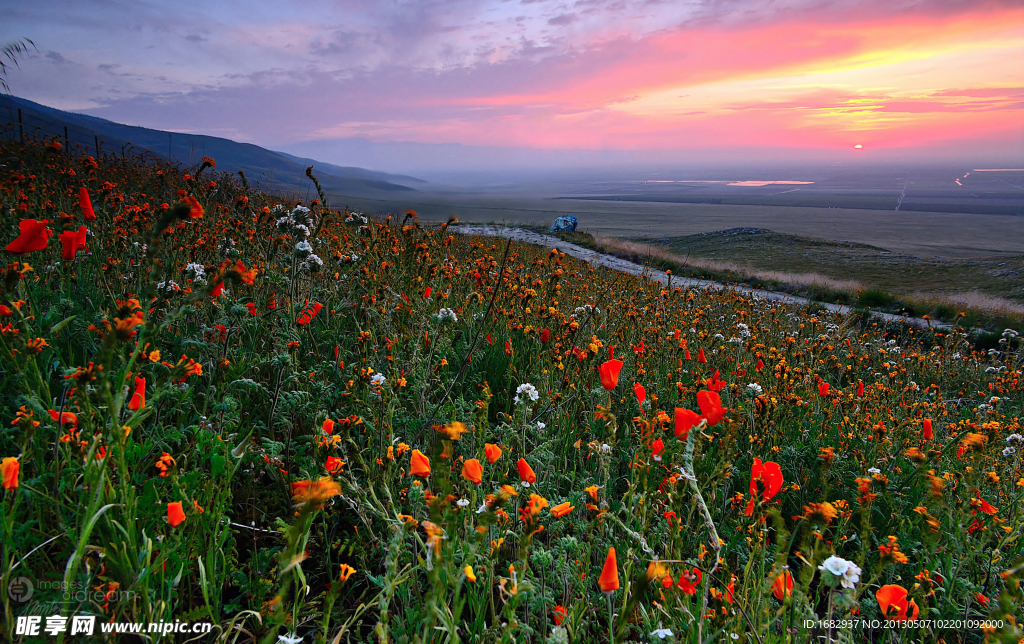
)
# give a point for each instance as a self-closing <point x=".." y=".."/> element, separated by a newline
<point x="901" y="82"/>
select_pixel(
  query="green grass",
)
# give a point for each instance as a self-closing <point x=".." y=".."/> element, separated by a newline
<point x="298" y="527"/>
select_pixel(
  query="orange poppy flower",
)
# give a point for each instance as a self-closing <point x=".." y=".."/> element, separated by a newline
<point x="700" y="356"/>
<point x="195" y="209"/>
<point x="333" y="464"/>
<point x="473" y="471"/>
<point x="419" y="464"/>
<point x="86" y="204"/>
<point x="328" y="426"/>
<point x="609" y="580"/>
<point x="657" y="447"/>
<point x="138" y="400"/>
<point x="71" y="242"/>
<point x="760" y="365"/>
<point x="175" y="514"/>
<point x="34" y="236"/>
<point x="892" y="599"/>
<point x="64" y="417"/>
<point x="711" y="406"/>
<point x="927" y="432"/>
<point x="609" y="372"/>
<point x="685" y="421"/>
<point x="526" y="472"/>
<point x="492" y="452"/>
<point x="9" y="470"/>
<point x="823" y="388"/>
<point x="562" y="509"/>
<point x="641" y="393"/>
<point x="860" y="389"/>
<point x="426" y="293"/>
<point x="782" y="587"/>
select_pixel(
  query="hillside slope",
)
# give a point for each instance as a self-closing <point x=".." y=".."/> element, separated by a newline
<point x="270" y="170"/>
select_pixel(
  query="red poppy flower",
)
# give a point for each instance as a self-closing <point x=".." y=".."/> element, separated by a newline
<point x="328" y="426"/>
<point x="310" y="313"/>
<point x="714" y="383"/>
<point x="526" y="473"/>
<point x="657" y="447"/>
<point x="782" y="587"/>
<point x="711" y="407"/>
<point x="71" y="242"/>
<point x="138" y="400"/>
<point x="688" y="581"/>
<point x="426" y="293"/>
<point x="700" y="356"/>
<point x="769" y="475"/>
<point x="823" y="388"/>
<point x="609" y="372"/>
<point x="34" y="236"/>
<point x="760" y="365"/>
<point x="641" y="393"/>
<point x="545" y="335"/>
<point x="609" y="579"/>
<point x="860" y="389"/>
<point x="175" y="514"/>
<point x="86" y="205"/>
<point x="64" y="417"/>
<point x="685" y="421"/>
<point x="927" y="431"/>
<point x="252" y="308"/>
<point x="559" y="613"/>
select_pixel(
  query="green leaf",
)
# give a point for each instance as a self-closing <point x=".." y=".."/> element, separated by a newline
<point x="217" y="464"/>
<point x="57" y="328"/>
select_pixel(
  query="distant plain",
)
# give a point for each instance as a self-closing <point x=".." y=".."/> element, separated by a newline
<point x="808" y="227"/>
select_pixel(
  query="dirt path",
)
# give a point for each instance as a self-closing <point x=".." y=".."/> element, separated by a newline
<point x="609" y="261"/>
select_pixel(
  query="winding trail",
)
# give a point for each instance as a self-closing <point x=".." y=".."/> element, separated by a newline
<point x="595" y="258"/>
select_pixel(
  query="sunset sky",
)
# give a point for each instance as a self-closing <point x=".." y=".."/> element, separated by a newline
<point x="792" y="78"/>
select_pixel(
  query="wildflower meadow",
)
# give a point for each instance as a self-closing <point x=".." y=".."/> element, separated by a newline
<point x="300" y="423"/>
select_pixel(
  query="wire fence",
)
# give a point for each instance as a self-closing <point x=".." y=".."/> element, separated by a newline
<point x="24" y="124"/>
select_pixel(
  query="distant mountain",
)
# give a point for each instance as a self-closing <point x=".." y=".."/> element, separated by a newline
<point x="270" y="170"/>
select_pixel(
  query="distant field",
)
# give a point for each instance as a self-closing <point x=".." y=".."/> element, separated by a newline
<point x="872" y="266"/>
<point x="917" y="234"/>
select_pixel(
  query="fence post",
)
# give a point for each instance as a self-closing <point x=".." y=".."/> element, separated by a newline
<point x="21" y="129"/>
<point x="96" y="140"/>
<point x="67" y="145"/>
